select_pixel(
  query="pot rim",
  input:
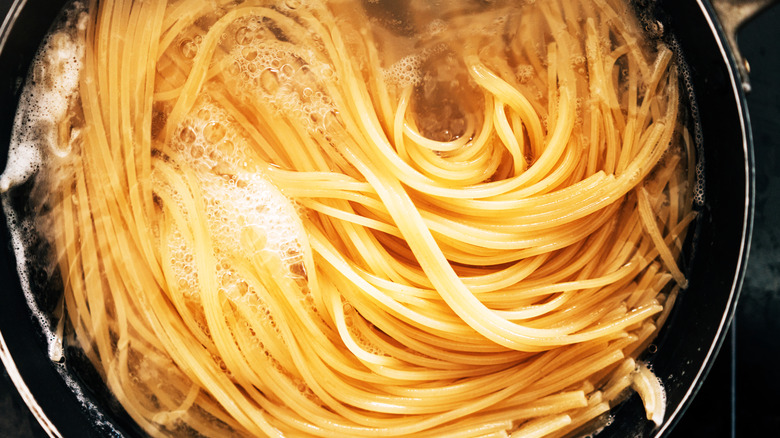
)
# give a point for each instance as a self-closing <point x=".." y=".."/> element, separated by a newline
<point x="735" y="81"/>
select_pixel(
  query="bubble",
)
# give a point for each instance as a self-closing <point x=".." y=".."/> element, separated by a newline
<point x="214" y="132"/>
<point x="327" y="72"/>
<point x="298" y="269"/>
<point x="227" y="147"/>
<point x="406" y="71"/>
<point x="249" y="53"/>
<point x="269" y="81"/>
<point x="244" y="36"/>
<point x="188" y="48"/>
<point x="287" y="70"/>
<point x="436" y="27"/>
<point x="187" y="135"/>
<point x="204" y="113"/>
<point x="524" y="73"/>
<point x="196" y="152"/>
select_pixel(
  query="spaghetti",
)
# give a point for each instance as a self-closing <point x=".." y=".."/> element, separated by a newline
<point x="330" y="219"/>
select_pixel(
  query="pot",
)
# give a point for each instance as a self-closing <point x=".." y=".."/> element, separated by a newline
<point x="70" y="404"/>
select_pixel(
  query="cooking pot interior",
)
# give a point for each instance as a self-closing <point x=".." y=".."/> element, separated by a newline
<point x="75" y="400"/>
<point x="693" y="335"/>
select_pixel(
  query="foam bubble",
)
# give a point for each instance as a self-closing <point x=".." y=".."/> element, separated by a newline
<point x="188" y="48"/>
<point x="406" y="71"/>
<point x="525" y="73"/>
<point x="246" y="215"/>
<point x="46" y="99"/>
<point x="24" y="159"/>
<point x="209" y="138"/>
<point x="265" y="69"/>
<point x="435" y="27"/>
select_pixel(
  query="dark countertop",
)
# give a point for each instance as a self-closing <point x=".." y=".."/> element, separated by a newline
<point x="733" y="401"/>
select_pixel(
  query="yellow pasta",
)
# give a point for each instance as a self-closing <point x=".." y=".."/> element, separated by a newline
<point x="303" y="218"/>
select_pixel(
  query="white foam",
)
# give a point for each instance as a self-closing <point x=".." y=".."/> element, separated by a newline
<point x="44" y="103"/>
<point x="45" y="100"/>
<point x="246" y="213"/>
<point x="250" y="205"/>
<point x="406" y="71"/>
<point x="24" y="158"/>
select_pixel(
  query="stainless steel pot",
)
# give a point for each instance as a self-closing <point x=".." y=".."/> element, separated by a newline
<point x="68" y="400"/>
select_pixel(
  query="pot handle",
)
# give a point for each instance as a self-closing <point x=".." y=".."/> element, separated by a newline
<point x="732" y="14"/>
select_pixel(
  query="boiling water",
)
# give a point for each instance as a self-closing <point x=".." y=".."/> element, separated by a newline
<point x="258" y="68"/>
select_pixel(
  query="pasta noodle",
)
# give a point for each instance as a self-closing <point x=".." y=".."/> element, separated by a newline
<point x="301" y="218"/>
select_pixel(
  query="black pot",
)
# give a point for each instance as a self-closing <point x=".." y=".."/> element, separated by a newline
<point x="68" y="405"/>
